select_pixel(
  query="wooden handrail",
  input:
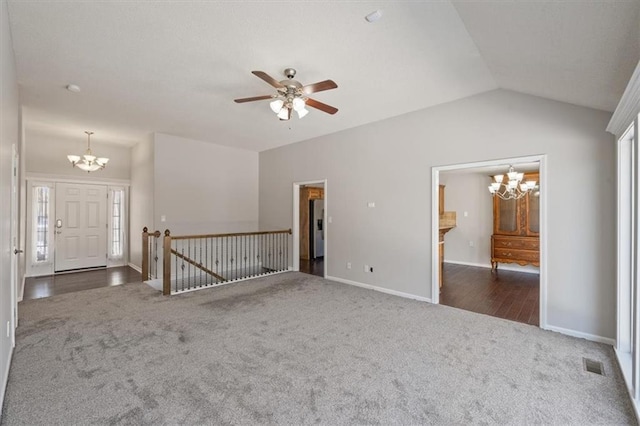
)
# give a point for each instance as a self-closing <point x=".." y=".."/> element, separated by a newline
<point x="145" y="251"/>
<point x="166" y="264"/>
<point x="197" y="265"/>
<point x="145" y="254"/>
<point x="236" y="234"/>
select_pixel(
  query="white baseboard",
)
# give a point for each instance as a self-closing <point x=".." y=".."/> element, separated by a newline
<point x="380" y="289"/>
<point x="5" y="380"/>
<point x="136" y="267"/>
<point x="502" y="266"/>
<point x="580" y="334"/>
<point x="477" y="265"/>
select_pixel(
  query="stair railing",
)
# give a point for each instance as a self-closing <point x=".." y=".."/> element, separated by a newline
<point x="192" y="262"/>
<point x="150" y="254"/>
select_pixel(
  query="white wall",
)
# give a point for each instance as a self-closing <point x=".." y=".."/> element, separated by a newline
<point x="201" y="187"/>
<point x="9" y="136"/>
<point x="141" y="198"/>
<point x="47" y="154"/>
<point x="389" y="162"/>
<point x="467" y="192"/>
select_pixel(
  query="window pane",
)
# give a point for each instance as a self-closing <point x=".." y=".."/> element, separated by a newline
<point x="41" y="207"/>
<point x="117" y="225"/>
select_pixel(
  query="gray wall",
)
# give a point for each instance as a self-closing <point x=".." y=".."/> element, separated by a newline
<point x="389" y="162"/>
<point x="204" y="188"/>
<point x="141" y="198"/>
<point x="9" y="136"/>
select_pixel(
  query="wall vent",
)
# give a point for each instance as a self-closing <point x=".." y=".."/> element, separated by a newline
<point x="593" y="366"/>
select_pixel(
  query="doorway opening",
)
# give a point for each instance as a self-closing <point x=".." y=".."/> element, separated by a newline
<point x="493" y="259"/>
<point x="309" y="228"/>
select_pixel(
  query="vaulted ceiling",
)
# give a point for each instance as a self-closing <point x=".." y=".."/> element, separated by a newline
<point x="175" y="67"/>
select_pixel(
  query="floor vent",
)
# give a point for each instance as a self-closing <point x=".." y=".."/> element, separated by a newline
<point x="593" y="366"/>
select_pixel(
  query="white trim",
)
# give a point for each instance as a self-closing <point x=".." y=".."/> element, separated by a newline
<point x="21" y="293"/>
<point x="503" y="267"/>
<point x="380" y="289"/>
<point x="5" y="380"/>
<point x="84" y="179"/>
<point x="135" y="267"/>
<point x="435" y="181"/>
<point x="295" y="227"/>
<point x="629" y="106"/>
<point x="581" y="335"/>
<point x="435" y="235"/>
<point x="544" y="234"/>
<point x="624" y="362"/>
<point x="624" y="228"/>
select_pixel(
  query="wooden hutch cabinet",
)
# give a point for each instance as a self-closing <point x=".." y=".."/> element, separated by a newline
<point x="516" y="229"/>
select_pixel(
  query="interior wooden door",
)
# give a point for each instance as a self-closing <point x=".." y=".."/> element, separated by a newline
<point x="80" y="226"/>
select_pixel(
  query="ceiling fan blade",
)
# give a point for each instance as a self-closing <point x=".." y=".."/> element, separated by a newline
<point x="266" y="77"/>
<point x="255" y="98"/>
<point x="319" y="86"/>
<point x="322" y="107"/>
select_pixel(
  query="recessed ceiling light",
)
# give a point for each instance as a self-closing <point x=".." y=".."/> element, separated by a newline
<point x="73" y="88"/>
<point x="374" y="16"/>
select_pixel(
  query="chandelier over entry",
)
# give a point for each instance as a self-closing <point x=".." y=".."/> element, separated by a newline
<point x="514" y="188"/>
<point x="88" y="162"/>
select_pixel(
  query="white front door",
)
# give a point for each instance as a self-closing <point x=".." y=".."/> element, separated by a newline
<point x="80" y="226"/>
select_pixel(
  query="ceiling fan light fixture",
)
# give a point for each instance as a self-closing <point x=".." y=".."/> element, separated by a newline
<point x="298" y="104"/>
<point x="283" y="114"/>
<point x="292" y="95"/>
<point x="276" y="106"/>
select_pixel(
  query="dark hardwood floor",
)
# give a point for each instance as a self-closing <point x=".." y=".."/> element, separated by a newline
<point x="504" y="294"/>
<point x="313" y="266"/>
<point x="51" y="285"/>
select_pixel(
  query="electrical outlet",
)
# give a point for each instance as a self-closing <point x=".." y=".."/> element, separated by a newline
<point x="471" y="243"/>
<point x="366" y="268"/>
<point x="348" y="265"/>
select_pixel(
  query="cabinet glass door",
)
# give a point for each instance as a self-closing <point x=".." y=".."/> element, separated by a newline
<point x="507" y="216"/>
<point x="533" y="212"/>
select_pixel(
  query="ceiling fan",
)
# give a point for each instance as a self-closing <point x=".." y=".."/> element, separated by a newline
<point x="292" y="96"/>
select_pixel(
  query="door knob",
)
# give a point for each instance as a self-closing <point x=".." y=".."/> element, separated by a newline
<point x="16" y="251"/>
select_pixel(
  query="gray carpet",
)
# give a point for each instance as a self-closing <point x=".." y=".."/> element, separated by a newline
<point x="296" y="349"/>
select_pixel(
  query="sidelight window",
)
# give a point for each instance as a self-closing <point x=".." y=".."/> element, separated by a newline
<point x="41" y="216"/>
<point x="116" y="243"/>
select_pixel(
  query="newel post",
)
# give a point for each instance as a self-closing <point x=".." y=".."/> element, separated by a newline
<point x="145" y="254"/>
<point x="166" y="264"/>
